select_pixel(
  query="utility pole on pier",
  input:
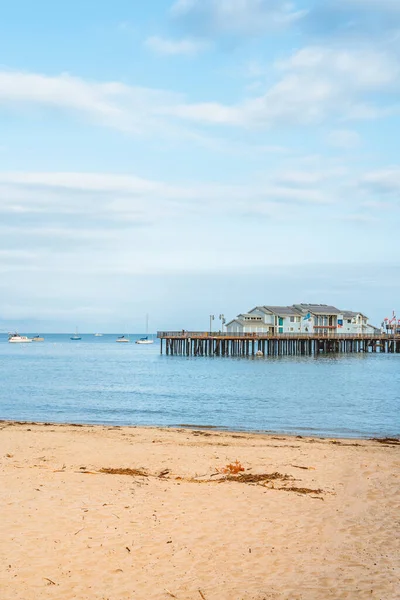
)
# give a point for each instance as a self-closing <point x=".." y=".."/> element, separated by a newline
<point x="212" y="317"/>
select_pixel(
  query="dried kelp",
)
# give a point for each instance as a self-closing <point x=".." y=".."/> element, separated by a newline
<point x="257" y="477"/>
<point x="387" y="440"/>
<point x="130" y="472"/>
<point x="301" y="490"/>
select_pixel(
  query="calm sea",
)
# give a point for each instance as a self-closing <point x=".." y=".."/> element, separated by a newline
<point x="98" y="381"/>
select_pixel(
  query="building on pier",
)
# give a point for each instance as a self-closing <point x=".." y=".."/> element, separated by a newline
<point x="314" y="319"/>
<point x="248" y="323"/>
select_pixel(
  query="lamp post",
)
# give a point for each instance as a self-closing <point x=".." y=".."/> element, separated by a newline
<point x="211" y="320"/>
<point x="222" y="319"/>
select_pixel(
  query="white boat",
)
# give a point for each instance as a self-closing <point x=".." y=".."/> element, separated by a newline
<point x="19" y="339"/>
<point x="98" y="335"/>
<point x="76" y="337"/>
<point x="123" y="340"/>
<point x="145" y="340"/>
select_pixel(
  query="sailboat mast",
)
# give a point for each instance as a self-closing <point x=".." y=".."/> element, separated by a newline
<point x="147" y="324"/>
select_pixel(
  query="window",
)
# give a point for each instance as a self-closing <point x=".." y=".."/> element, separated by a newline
<point x="349" y="320"/>
<point x="292" y="320"/>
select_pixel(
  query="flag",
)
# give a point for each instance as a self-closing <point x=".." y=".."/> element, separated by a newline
<point x="308" y="316"/>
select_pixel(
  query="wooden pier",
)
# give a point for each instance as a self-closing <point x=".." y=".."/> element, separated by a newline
<point x="192" y="343"/>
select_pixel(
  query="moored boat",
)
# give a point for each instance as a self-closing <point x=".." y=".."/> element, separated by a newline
<point x="18" y="339"/>
<point x="145" y="340"/>
<point x="37" y="338"/>
<point x="76" y="337"/>
<point x="123" y="340"/>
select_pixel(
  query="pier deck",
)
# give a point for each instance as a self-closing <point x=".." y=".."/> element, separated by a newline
<point x="193" y="343"/>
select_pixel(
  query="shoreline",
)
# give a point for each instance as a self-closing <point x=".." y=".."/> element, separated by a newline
<point x="217" y="428"/>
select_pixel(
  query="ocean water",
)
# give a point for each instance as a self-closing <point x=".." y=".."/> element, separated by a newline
<point x="98" y="381"/>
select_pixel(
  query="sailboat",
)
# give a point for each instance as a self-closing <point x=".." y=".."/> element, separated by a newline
<point x="122" y="339"/>
<point x="75" y="337"/>
<point x="145" y="340"/>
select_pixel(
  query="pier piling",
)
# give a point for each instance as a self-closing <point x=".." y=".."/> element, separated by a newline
<point x="188" y="343"/>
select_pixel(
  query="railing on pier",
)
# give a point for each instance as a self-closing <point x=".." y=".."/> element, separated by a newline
<point x="280" y="336"/>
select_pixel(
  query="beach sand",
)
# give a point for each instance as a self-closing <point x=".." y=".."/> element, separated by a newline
<point x="330" y="530"/>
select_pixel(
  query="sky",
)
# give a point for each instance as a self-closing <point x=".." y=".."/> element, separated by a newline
<point x="194" y="157"/>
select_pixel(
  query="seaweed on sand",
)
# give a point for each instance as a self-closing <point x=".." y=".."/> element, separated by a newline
<point x="131" y="472"/>
<point x="301" y="490"/>
<point x="257" y="477"/>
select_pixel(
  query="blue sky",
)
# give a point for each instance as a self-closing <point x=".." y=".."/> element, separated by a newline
<point x="194" y="157"/>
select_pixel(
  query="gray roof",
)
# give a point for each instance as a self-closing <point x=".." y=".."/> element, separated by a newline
<point x="248" y="323"/>
<point x="303" y="309"/>
<point x="232" y="321"/>
<point x="283" y="311"/>
<point x="347" y="314"/>
<point x="318" y="309"/>
<point x="260" y="308"/>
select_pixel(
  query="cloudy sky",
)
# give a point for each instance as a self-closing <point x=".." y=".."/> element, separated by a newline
<point x="194" y="157"/>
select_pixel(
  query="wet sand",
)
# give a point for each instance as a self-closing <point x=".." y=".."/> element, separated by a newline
<point x="305" y="519"/>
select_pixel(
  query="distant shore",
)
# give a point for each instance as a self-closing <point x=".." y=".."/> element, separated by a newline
<point x="116" y="512"/>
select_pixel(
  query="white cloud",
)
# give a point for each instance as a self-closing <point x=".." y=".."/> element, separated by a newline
<point x="187" y="46"/>
<point x="107" y="224"/>
<point x="83" y="181"/>
<point x="381" y="5"/>
<point x="361" y="68"/>
<point x="315" y="83"/>
<point x="344" y="138"/>
<point x="359" y="218"/>
<point x="129" y="199"/>
<point x="309" y="178"/>
<point x="10" y="312"/>
<point x="84" y="226"/>
<point x="383" y="181"/>
<point x="62" y="90"/>
<point x="112" y="104"/>
<point x="243" y="17"/>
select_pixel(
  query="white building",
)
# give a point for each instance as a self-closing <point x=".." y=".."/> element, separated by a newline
<point x="319" y="319"/>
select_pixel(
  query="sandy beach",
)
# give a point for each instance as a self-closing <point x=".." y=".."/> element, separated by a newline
<point x="110" y="513"/>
